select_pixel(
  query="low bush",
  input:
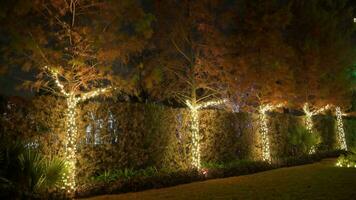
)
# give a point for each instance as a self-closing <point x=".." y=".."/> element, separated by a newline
<point x="144" y="179"/>
<point x="308" y="158"/>
<point x="27" y="174"/>
<point x="235" y="168"/>
<point x="127" y="173"/>
<point x="302" y="140"/>
<point x="347" y="159"/>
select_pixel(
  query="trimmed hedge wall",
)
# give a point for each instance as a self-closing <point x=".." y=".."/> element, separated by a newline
<point x="350" y="132"/>
<point x="116" y="135"/>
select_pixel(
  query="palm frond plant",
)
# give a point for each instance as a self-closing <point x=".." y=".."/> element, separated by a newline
<point x="301" y="140"/>
<point x="26" y="173"/>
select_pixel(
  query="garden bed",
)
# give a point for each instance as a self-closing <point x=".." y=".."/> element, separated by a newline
<point x="161" y="179"/>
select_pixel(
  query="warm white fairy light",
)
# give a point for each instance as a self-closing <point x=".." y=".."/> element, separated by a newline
<point x="71" y="125"/>
<point x="211" y="103"/>
<point x="340" y="129"/>
<point x="308" y="117"/>
<point x="54" y="74"/>
<point x="266" y="152"/>
<point x="95" y="93"/>
<point x="195" y="136"/>
<point x="345" y="163"/>
<point x="70" y="144"/>
<point x="194" y="114"/>
<point x="309" y="120"/>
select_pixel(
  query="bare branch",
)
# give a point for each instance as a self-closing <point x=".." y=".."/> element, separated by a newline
<point x="180" y="51"/>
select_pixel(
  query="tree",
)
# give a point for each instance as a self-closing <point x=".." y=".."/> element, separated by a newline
<point x="261" y="55"/>
<point x="73" y="46"/>
<point x="320" y="34"/>
<point x="185" y="53"/>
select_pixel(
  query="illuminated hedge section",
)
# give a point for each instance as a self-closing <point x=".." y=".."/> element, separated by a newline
<point x="266" y="152"/>
<point x="72" y="100"/>
<point x="340" y="129"/>
<point x="194" y="114"/>
<point x="309" y="119"/>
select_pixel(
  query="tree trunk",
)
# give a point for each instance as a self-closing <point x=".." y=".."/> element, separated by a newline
<point x="71" y="140"/>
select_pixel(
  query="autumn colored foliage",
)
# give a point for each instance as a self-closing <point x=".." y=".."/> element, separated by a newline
<point x="250" y="52"/>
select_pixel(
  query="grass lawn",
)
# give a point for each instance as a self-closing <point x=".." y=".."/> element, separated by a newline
<point x="314" y="181"/>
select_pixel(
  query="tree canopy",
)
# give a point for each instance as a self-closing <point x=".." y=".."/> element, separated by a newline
<point x="251" y="52"/>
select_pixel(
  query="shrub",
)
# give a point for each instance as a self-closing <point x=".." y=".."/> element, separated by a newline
<point x="112" y="175"/>
<point x="235" y="168"/>
<point x="347" y="159"/>
<point x="25" y="173"/>
<point x="307" y="158"/>
<point x="127" y="173"/>
<point x="302" y="140"/>
<point x="143" y="179"/>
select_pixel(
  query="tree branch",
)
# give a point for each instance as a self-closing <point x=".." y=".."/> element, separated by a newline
<point x="180" y="51"/>
<point x="54" y="75"/>
<point x="211" y="103"/>
<point x="94" y="93"/>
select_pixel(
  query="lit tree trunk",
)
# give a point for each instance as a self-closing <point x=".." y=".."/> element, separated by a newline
<point x="72" y="100"/>
<point x="340" y="129"/>
<point x="194" y="117"/>
<point x="309" y="125"/>
<point x="309" y="120"/>
<point x="194" y="114"/>
<point x="70" y="144"/>
<point x="266" y="154"/>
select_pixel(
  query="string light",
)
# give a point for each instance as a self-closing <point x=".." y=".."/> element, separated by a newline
<point x="266" y="152"/>
<point x="345" y="163"/>
<point x="95" y="93"/>
<point x="71" y="150"/>
<point x="211" y="103"/>
<point x="72" y="130"/>
<point x="309" y="120"/>
<point x="56" y="79"/>
<point x="340" y="129"/>
<point x="194" y="114"/>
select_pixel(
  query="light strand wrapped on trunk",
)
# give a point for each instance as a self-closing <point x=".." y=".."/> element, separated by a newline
<point x="266" y="152"/>
<point x="340" y="129"/>
<point x="309" y="120"/>
<point x="194" y="128"/>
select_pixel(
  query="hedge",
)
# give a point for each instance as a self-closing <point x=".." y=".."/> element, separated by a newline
<point x="119" y="135"/>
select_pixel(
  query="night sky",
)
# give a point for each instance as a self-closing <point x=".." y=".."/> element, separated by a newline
<point x="12" y="79"/>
